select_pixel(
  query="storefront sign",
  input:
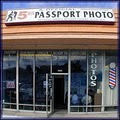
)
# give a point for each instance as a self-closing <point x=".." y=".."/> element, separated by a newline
<point x="29" y="16"/>
<point x="93" y="67"/>
<point x="112" y="75"/>
<point x="10" y="84"/>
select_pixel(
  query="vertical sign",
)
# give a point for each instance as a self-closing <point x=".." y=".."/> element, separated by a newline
<point x="93" y="68"/>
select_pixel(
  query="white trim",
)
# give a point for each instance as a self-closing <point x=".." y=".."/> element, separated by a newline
<point x="59" y="73"/>
<point x="9" y="103"/>
<point x="17" y="81"/>
<point x="87" y="106"/>
<point x="51" y="63"/>
<point x="47" y="94"/>
<point x="52" y="93"/>
<point x="69" y="81"/>
<point x="93" y="112"/>
<point x="87" y="55"/>
<point x="9" y="109"/>
<point x="103" y="80"/>
<point x="34" y="60"/>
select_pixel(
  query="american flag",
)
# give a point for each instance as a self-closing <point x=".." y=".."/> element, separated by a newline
<point x="112" y="75"/>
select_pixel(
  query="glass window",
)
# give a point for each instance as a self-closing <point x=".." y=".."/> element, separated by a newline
<point x="111" y="80"/>
<point x="42" y="66"/>
<point x="95" y="63"/>
<point x="26" y="79"/>
<point x="60" y="62"/>
<point x="9" y="79"/>
<point x="78" y="80"/>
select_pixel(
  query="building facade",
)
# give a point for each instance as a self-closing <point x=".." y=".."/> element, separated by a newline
<point x="51" y="66"/>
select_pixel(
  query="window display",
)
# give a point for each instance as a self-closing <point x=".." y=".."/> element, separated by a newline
<point x="93" y="78"/>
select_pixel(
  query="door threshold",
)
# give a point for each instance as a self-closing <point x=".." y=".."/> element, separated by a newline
<point x="60" y="111"/>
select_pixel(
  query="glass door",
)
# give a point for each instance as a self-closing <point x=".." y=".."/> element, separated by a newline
<point x="49" y="94"/>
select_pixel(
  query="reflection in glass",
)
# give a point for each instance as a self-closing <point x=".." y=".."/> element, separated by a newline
<point x="78" y="79"/>
<point x="42" y="66"/>
<point x="9" y="78"/>
<point x="26" y="78"/>
<point x="60" y="62"/>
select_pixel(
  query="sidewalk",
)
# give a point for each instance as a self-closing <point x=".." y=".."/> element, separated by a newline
<point x="70" y="116"/>
<point x="86" y="115"/>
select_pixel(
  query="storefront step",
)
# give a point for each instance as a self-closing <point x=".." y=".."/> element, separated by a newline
<point x="60" y="114"/>
<point x="23" y="114"/>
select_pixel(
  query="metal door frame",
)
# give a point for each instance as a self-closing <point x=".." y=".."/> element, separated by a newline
<point x="58" y="74"/>
<point x="49" y="113"/>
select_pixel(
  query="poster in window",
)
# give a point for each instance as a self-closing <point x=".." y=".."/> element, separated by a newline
<point x="10" y="84"/>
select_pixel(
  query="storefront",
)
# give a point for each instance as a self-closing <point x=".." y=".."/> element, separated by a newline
<point x="53" y="65"/>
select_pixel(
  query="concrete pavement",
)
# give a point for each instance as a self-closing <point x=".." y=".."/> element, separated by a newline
<point x="60" y="114"/>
